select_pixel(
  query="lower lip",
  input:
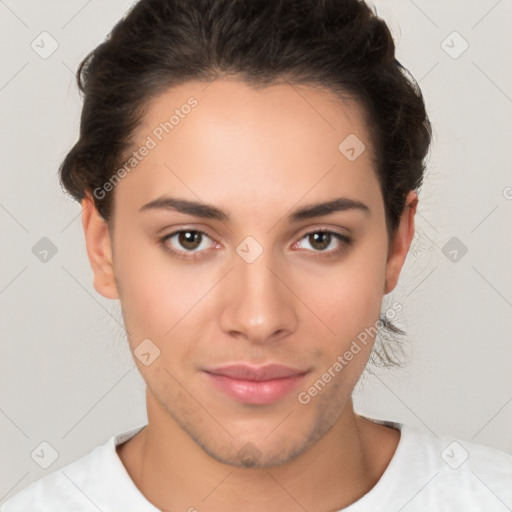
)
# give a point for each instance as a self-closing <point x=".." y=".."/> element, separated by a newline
<point x="256" y="392"/>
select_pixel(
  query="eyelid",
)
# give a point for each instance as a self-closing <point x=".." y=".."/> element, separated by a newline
<point x="329" y="228"/>
<point x="184" y="229"/>
<point x="164" y="233"/>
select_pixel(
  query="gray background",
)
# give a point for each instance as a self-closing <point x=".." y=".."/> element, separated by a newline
<point x="66" y="374"/>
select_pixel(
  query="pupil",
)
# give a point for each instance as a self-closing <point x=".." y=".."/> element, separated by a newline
<point x="323" y="238"/>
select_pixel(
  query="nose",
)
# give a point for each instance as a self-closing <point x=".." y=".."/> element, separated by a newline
<point x="259" y="305"/>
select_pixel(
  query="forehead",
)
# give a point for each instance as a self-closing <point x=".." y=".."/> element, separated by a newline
<point x="227" y="140"/>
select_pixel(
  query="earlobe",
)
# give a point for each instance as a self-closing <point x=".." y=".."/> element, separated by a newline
<point x="400" y="243"/>
<point x="99" y="249"/>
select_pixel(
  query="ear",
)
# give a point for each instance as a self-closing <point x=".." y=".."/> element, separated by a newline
<point x="400" y="242"/>
<point x="99" y="249"/>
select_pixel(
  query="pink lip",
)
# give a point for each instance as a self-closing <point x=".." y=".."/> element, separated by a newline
<point x="258" y="385"/>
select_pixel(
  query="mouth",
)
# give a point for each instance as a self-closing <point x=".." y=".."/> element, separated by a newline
<point x="256" y="385"/>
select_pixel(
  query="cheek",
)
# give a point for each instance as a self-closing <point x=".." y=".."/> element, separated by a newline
<point x="348" y="298"/>
<point x="155" y="292"/>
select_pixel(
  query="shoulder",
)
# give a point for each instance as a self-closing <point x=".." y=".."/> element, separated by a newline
<point x="441" y="473"/>
<point x="87" y="484"/>
<point x="453" y="474"/>
<point x="458" y="457"/>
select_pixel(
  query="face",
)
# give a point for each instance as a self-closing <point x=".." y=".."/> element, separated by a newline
<point x="245" y="277"/>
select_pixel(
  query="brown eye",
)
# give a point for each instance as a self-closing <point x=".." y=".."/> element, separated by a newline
<point x="187" y="243"/>
<point x="319" y="240"/>
<point x="189" y="240"/>
<point x="324" y="243"/>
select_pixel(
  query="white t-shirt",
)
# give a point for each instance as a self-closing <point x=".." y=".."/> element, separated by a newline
<point x="426" y="474"/>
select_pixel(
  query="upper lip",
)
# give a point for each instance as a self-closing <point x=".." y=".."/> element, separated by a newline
<point x="256" y="373"/>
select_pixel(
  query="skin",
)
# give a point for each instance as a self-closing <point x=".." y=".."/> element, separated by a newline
<point x="257" y="154"/>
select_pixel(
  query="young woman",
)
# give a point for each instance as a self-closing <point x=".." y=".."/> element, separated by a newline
<point x="248" y="172"/>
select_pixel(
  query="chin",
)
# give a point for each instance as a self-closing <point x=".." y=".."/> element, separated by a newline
<point x="260" y="448"/>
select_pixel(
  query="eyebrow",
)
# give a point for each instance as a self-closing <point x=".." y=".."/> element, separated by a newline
<point x="207" y="211"/>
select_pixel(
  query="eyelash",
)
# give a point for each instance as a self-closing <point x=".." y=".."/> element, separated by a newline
<point x="333" y="253"/>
